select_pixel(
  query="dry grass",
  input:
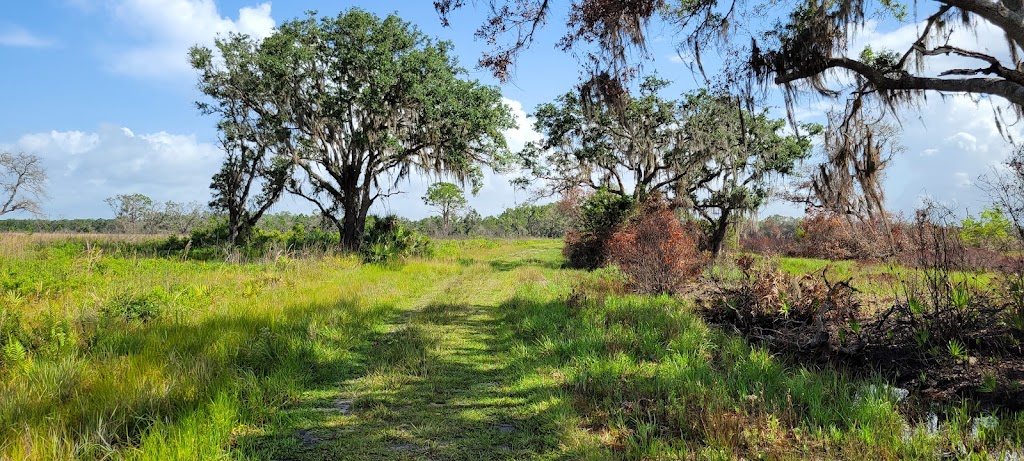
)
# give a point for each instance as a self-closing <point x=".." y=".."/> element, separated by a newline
<point x="20" y="244"/>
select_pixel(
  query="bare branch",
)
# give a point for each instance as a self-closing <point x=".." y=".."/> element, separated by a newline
<point x="22" y="183"/>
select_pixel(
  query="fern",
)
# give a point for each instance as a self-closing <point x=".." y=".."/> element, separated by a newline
<point x="15" y="356"/>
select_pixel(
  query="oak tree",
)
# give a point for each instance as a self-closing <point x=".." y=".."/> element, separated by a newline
<point x="706" y="153"/>
<point x="255" y="168"/>
<point x="633" y="147"/>
<point x="358" y="103"/>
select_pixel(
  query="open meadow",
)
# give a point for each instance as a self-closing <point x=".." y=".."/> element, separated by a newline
<point x="488" y="350"/>
<point x="512" y="230"/>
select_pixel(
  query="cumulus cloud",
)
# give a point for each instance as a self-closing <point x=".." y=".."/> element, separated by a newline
<point x="163" y="30"/>
<point x="15" y="36"/>
<point x="965" y="141"/>
<point x="957" y="141"/>
<point x="524" y="132"/>
<point x="86" y="167"/>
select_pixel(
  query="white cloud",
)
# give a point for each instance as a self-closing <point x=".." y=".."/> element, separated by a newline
<point x="965" y="141"/>
<point x="15" y="36"/>
<point x="958" y="142"/>
<point x="523" y="133"/>
<point x="163" y="31"/>
<point x="962" y="179"/>
<point x="85" y="168"/>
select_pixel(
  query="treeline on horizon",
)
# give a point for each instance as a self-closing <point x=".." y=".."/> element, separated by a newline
<point x="523" y="221"/>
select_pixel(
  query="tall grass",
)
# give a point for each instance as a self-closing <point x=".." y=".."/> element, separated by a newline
<point x="649" y="379"/>
<point x="489" y="351"/>
<point x="157" y="358"/>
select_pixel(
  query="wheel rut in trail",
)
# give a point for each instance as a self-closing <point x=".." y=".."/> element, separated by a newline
<point x="436" y="386"/>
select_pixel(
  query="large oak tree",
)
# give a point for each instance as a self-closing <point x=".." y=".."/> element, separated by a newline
<point x="796" y="43"/>
<point x="805" y="47"/>
<point x="707" y="153"/>
<point x="634" y="146"/>
<point x="358" y="103"/>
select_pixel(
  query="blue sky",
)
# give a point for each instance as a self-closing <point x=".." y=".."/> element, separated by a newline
<point x="102" y="90"/>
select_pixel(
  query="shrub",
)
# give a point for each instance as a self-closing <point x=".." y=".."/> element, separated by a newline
<point x="604" y="211"/>
<point x="790" y="311"/>
<point x="133" y="306"/>
<point x="941" y="300"/>
<point x="990" y="230"/>
<point x="655" y="250"/>
<point x="1011" y="284"/>
<point x="583" y="250"/>
<point x="599" y="216"/>
<point x="829" y="236"/>
<point x="386" y="240"/>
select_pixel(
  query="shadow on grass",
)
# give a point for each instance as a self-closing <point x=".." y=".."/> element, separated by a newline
<point x="504" y="265"/>
<point x="165" y="374"/>
<point x="441" y="385"/>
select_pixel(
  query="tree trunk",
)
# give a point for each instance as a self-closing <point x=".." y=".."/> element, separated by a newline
<point x="351" y="230"/>
<point x="356" y="206"/>
<point x="233" y="224"/>
<point x="719" y="233"/>
<point x="350" y="238"/>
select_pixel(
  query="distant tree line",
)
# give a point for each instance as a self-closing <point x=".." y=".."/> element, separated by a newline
<point x="76" y="226"/>
<point x="537" y="221"/>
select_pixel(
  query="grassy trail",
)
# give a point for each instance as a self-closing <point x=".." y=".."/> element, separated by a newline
<point x="488" y="351"/>
<point x="439" y="384"/>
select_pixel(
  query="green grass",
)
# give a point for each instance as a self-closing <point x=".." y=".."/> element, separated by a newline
<point x="480" y="353"/>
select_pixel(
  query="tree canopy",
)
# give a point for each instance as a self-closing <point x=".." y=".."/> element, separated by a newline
<point x="737" y="154"/>
<point x="805" y="48"/>
<point x="706" y="153"/>
<point x="357" y="103"/>
<point x="804" y="43"/>
<point x="448" y="199"/>
<point x="634" y="147"/>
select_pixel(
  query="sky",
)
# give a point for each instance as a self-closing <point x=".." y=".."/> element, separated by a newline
<point x="103" y="92"/>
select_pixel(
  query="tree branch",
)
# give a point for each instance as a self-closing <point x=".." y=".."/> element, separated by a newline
<point x="880" y="80"/>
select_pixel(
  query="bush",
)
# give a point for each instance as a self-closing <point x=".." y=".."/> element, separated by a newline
<point x="941" y="300"/>
<point x="386" y="240"/>
<point x="583" y="251"/>
<point x="830" y="236"/>
<point x="655" y="250"/>
<point x="132" y="306"/>
<point x="991" y="230"/>
<point x="788" y="311"/>
<point x="598" y="218"/>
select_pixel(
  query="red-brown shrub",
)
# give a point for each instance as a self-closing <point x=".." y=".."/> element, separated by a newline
<point x="655" y="250"/>
<point x="829" y="236"/>
<point x="583" y="250"/>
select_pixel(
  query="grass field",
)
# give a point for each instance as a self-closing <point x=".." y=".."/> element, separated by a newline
<point x="488" y="351"/>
